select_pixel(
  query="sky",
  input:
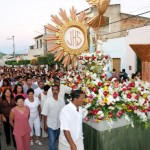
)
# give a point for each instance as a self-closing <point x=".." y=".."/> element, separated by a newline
<point x="25" y="19"/>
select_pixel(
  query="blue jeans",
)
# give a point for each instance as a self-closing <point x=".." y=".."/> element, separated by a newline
<point x="53" y="136"/>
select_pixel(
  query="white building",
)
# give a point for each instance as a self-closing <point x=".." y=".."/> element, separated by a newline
<point x="38" y="48"/>
<point x="123" y="57"/>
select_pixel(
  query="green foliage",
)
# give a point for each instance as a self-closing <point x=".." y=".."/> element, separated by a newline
<point x="42" y="60"/>
<point x="24" y="62"/>
<point x="50" y="59"/>
<point x="14" y="62"/>
<point x="10" y="62"/>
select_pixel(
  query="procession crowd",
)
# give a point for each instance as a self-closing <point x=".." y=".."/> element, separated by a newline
<point x="33" y="106"/>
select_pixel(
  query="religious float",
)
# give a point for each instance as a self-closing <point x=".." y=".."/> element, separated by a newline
<point x="120" y="110"/>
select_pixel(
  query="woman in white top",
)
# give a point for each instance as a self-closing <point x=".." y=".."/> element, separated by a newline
<point x="34" y="105"/>
<point x="42" y="98"/>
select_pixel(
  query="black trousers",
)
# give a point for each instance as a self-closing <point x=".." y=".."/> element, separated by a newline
<point x="8" y="129"/>
<point x="0" y="139"/>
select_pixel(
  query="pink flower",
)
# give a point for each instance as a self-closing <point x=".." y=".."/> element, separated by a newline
<point x="86" y="119"/>
<point x="110" y="115"/>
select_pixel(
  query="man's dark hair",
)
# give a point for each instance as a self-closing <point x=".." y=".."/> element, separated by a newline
<point x="19" y="97"/>
<point x="114" y="70"/>
<point x="28" y="77"/>
<point x="46" y="87"/>
<point x="56" y="79"/>
<point x="30" y="90"/>
<point x="123" y="70"/>
<point x="76" y="94"/>
<point x="55" y="86"/>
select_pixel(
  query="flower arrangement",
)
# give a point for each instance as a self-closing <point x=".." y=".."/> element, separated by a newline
<point x="106" y="99"/>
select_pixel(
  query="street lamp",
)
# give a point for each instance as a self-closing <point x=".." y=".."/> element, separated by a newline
<point x="13" y="38"/>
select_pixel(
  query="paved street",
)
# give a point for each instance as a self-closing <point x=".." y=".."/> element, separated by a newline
<point x="34" y="147"/>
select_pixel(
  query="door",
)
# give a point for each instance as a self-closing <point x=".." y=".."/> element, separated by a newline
<point x="116" y="64"/>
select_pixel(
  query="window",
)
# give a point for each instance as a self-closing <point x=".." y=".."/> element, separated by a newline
<point x="40" y="43"/>
<point x="37" y="44"/>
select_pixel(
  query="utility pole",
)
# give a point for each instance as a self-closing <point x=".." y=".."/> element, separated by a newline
<point x="45" y="43"/>
<point x="13" y="38"/>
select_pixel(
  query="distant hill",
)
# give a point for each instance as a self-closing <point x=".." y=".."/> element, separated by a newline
<point x="1" y="55"/>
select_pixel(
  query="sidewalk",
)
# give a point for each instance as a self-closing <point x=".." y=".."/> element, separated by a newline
<point x="34" y="147"/>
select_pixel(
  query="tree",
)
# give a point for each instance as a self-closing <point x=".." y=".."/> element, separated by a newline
<point x="50" y="59"/>
<point x="42" y="60"/>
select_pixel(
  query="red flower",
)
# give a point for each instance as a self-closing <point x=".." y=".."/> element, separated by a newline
<point x="105" y="93"/>
<point x="135" y="107"/>
<point x="130" y="107"/>
<point x="106" y="57"/>
<point x="128" y="87"/>
<point x="87" y="58"/>
<point x="129" y="95"/>
<point x="124" y="89"/>
<point x="79" y="77"/>
<point x="132" y="84"/>
<point x="93" y="57"/>
<point x="95" y="111"/>
<point x="91" y="96"/>
<point x="100" y="84"/>
<point x="115" y="94"/>
<point x="94" y="89"/>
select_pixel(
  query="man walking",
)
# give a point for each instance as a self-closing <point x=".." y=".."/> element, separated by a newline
<point x="51" y="111"/>
<point x="71" y="136"/>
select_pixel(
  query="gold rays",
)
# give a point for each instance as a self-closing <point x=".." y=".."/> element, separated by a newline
<point x="68" y="37"/>
<point x="98" y="20"/>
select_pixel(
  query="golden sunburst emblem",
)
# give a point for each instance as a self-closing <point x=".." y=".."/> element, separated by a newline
<point x="68" y="37"/>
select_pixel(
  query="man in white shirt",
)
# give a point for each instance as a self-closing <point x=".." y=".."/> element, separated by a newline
<point x="63" y="89"/>
<point x="40" y="89"/>
<point x="71" y="135"/>
<point x="51" y="111"/>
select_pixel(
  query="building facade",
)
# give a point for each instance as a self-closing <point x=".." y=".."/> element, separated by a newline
<point x="114" y="37"/>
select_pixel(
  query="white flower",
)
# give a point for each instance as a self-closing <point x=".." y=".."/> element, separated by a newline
<point x="100" y="113"/>
<point x="111" y="107"/>
<point x="141" y="101"/>
<point x="87" y="105"/>
<point x="94" y="76"/>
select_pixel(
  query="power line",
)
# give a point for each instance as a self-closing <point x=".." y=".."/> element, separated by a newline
<point x="133" y="11"/>
<point x="125" y="30"/>
<point x="132" y="16"/>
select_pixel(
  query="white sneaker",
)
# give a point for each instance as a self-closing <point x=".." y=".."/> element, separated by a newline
<point x="31" y="142"/>
<point x="38" y="142"/>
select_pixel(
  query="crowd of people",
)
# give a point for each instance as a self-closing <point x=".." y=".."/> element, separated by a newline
<point x="32" y="106"/>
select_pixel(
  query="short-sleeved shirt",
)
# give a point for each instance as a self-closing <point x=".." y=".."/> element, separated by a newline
<point x="71" y="120"/>
<point x="33" y="106"/>
<point x="52" y="109"/>
<point x="38" y="91"/>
